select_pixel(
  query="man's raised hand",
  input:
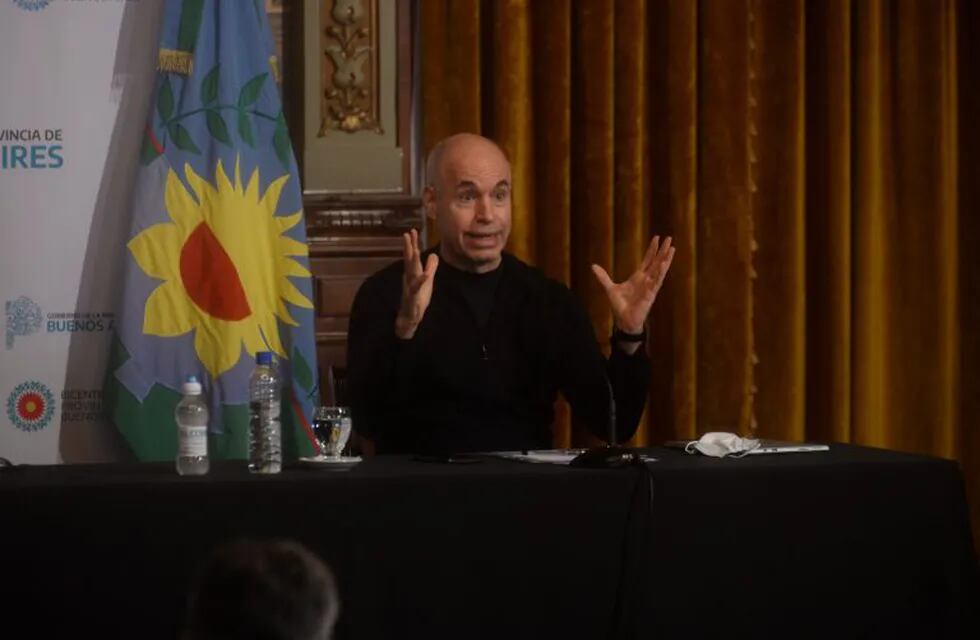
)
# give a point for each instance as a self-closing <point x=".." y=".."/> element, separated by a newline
<point x="416" y="286"/>
<point x="631" y="299"/>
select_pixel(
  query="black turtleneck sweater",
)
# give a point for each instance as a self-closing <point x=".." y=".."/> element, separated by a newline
<point x="485" y="365"/>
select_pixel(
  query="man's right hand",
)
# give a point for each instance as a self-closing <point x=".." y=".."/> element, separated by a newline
<point x="416" y="287"/>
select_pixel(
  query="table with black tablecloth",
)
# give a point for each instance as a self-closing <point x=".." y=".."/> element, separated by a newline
<point x="856" y="542"/>
<point x="851" y="543"/>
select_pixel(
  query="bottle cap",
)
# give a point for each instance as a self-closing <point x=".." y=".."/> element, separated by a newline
<point x="263" y="357"/>
<point x="191" y="386"/>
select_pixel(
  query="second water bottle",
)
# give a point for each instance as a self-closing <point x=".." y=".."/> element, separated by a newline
<point x="264" y="428"/>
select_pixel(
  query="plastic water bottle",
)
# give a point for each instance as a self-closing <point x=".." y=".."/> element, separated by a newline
<point x="264" y="429"/>
<point x="191" y="415"/>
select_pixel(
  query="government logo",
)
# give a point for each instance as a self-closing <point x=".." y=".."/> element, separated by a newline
<point x="23" y="318"/>
<point x="32" y="5"/>
<point x="30" y="406"/>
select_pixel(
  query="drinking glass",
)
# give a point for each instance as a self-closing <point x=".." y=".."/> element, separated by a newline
<point x="331" y="428"/>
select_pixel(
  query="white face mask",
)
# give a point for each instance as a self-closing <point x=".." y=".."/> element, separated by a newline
<point x="719" y="444"/>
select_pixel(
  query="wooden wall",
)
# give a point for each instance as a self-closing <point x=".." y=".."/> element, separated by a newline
<point x="349" y="91"/>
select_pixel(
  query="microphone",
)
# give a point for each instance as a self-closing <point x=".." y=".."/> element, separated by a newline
<point x="612" y="409"/>
<point x="610" y="456"/>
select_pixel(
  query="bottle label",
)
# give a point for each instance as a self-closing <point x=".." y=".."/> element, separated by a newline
<point x="192" y="441"/>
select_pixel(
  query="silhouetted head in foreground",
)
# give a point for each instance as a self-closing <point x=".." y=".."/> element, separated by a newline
<point x="263" y="590"/>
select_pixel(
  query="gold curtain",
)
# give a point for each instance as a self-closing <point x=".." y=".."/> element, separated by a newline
<point x="815" y="163"/>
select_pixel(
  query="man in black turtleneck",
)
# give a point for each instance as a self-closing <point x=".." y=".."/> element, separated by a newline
<point x="468" y="352"/>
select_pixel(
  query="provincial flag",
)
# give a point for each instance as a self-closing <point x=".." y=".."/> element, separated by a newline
<point x="217" y="265"/>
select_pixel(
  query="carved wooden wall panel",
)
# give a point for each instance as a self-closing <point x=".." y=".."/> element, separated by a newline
<point x="335" y="94"/>
<point x="349" y="66"/>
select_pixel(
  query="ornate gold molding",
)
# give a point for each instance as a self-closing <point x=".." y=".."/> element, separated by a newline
<point x="349" y="66"/>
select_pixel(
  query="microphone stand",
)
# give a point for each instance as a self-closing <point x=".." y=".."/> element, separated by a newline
<point x="610" y="456"/>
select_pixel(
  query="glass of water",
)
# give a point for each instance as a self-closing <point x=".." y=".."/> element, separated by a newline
<point x="331" y="428"/>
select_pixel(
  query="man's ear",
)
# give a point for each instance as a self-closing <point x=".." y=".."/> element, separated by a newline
<point x="429" y="201"/>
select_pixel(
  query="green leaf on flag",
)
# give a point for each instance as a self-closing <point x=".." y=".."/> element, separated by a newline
<point x="209" y="87"/>
<point x="250" y="92"/>
<point x="148" y="152"/>
<point x="183" y="139"/>
<point x="301" y="370"/>
<point x="280" y="141"/>
<point x="245" y="129"/>
<point x="217" y="126"/>
<point x="165" y="101"/>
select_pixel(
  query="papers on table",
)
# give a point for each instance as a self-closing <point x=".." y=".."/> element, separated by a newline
<point x="548" y="456"/>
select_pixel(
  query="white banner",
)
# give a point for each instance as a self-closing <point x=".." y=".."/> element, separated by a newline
<point x="76" y="79"/>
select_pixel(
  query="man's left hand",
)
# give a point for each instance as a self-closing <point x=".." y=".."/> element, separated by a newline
<point x="631" y="299"/>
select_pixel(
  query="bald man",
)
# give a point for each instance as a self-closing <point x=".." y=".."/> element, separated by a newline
<point x="464" y="347"/>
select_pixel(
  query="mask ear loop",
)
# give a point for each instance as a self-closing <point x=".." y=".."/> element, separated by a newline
<point x="689" y="447"/>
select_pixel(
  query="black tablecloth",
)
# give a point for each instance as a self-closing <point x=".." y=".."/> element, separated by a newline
<point x="851" y="543"/>
<point x="854" y="543"/>
<point x="494" y="549"/>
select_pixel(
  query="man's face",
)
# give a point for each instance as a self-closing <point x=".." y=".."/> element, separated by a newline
<point x="470" y="203"/>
